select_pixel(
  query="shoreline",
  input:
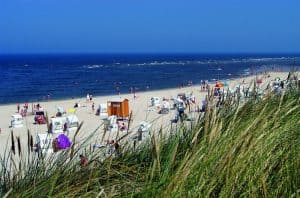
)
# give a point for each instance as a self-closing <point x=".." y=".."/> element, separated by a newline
<point x="61" y="99"/>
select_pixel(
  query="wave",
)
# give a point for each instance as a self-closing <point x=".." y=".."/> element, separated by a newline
<point x="92" y="66"/>
<point x="263" y="60"/>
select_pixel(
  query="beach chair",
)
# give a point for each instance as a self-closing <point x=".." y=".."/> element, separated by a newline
<point x="16" y="121"/>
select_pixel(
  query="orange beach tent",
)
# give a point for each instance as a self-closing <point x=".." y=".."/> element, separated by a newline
<point x="118" y="107"/>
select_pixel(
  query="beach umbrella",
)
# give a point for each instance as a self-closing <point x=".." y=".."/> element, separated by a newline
<point x="63" y="141"/>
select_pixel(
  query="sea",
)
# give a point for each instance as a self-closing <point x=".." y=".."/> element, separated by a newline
<point x="41" y="77"/>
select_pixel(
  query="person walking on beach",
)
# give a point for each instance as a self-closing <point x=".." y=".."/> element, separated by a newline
<point x="93" y="107"/>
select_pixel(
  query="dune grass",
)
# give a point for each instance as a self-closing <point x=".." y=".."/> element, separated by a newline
<point x="240" y="150"/>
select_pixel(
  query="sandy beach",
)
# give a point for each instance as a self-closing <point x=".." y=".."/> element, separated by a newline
<point x="139" y="107"/>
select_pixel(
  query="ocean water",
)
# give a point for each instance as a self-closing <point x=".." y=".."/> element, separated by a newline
<point x="32" y="78"/>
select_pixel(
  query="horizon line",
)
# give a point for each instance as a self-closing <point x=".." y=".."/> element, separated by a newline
<point x="153" y="53"/>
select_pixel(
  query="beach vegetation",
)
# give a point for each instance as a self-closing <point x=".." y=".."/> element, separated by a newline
<point x="244" y="149"/>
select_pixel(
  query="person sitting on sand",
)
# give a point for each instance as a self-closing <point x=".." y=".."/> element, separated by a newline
<point x="123" y="127"/>
<point x="65" y="127"/>
<point x="83" y="161"/>
<point x="98" y="110"/>
<point x="117" y="147"/>
<point x="111" y="147"/>
<point x="54" y="145"/>
<point x="37" y="147"/>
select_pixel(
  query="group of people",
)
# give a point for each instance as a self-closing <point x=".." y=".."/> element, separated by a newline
<point x="37" y="107"/>
<point x="203" y="85"/>
<point x="89" y="98"/>
<point x="23" y="111"/>
<point x="278" y="85"/>
<point x="181" y="103"/>
<point x="133" y="91"/>
<point x="122" y="126"/>
<point x="113" y="147"/>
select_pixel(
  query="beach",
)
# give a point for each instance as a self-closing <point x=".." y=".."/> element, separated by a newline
<point x="139" y="106"/>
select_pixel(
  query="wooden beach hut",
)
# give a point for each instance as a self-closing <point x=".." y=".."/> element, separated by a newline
<point x="118" y="107"/>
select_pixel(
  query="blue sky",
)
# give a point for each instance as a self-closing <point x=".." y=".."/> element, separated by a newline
<point x="153" y="26"/>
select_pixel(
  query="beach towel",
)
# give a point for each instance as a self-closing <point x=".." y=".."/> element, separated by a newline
<point x="71" y="110"/>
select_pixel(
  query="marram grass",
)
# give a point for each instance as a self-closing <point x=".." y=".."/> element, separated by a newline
<point x="249" y="150"/>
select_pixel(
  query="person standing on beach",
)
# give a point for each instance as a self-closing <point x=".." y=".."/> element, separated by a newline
<point x="18" y="108"/>
<point x="87" y="97"/>
<point x="26" y="106"/>
<point x="134" y="93"/>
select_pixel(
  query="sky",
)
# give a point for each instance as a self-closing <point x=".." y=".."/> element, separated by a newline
<point x="153" y="26"/>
